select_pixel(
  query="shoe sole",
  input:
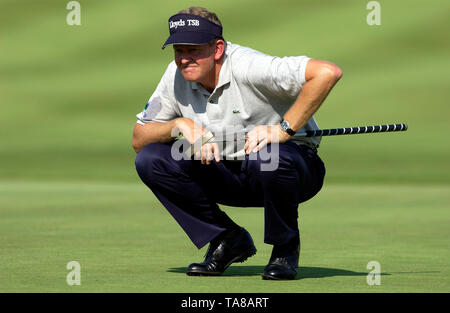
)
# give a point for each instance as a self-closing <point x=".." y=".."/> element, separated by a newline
<point x="239" y="259"/>
<point x="270" y="277"/>
<point x="274" y="277"/>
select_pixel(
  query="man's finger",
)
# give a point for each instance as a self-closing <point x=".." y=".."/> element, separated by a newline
<point x="251" y="141"/>
<point x="260" y="145"/>
<point x="216" y="152"/>
<point x="203" y="155"/>
<point x="209" y="154"/>
<point x="251" y="145"/>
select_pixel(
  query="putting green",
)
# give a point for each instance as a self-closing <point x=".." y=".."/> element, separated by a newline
<point x="125" y="241"/>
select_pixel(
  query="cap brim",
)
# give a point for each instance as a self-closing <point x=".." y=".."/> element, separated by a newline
<point x="188" y="38"/>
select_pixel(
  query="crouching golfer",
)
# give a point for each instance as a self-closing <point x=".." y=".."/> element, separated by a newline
<point x="211" y="87"/>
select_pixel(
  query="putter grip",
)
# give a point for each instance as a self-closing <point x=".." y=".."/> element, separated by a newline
<point x="198" y="144"/>
<point x="354" y="130"/>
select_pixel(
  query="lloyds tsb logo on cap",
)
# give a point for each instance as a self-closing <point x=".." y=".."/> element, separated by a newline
<point x="181" y="22"/>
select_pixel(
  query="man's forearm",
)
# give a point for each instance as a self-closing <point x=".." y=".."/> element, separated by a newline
<point x="313" y="93"/>
<point x="151" y="133"/>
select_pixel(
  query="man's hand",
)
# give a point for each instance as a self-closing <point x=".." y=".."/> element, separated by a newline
<point x="208" y="152"/>
<point x="260" y="136"/>
<point x="192" y="132"/>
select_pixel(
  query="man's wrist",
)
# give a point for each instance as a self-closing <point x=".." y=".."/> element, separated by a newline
<point x="282" y="135"/>
<point x="286" y="127"/>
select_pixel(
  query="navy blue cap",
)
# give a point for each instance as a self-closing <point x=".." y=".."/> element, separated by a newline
<point x="189" y="29"/>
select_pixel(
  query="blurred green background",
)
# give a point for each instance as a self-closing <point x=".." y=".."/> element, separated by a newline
<point x="69" y="96"/>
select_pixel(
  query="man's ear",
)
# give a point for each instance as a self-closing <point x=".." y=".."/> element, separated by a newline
<point x="219" y="50"/>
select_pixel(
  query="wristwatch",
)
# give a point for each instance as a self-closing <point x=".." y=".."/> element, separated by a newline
<point x="284" y="125"/>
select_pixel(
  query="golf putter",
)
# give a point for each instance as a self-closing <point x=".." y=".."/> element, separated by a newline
<point x="207" y="138"/>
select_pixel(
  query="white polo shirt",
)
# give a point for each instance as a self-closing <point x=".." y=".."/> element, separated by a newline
<point x="253" y="89"/>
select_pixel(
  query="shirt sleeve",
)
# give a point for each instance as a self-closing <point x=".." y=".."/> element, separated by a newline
<point x="160" y="107"/>
<point x="279" y="76"/>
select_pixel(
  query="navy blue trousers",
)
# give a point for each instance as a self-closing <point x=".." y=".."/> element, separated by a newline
<point x="191" y="191"/>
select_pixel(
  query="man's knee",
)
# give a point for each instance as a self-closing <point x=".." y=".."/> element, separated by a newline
<point x="148" y="159"/>
<point x="155" y="160"/>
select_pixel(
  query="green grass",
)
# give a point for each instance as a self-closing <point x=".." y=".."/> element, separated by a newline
<point x="69" y="190"/>
<point x="125" y="241"/>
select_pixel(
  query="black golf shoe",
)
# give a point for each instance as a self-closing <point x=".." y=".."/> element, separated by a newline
<point x="230" y="247"/>
<point x="283" y="262"/>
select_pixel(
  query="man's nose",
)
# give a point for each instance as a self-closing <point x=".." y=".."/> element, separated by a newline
<point x="185" y="58"/>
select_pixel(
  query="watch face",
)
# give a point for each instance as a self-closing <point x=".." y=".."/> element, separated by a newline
<point x="287" y="128"/>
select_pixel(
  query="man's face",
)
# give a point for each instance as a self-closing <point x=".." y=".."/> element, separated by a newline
<point x="195" y="62"/>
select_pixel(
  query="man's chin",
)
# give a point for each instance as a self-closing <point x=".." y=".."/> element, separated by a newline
<point x="190" y="78"/>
